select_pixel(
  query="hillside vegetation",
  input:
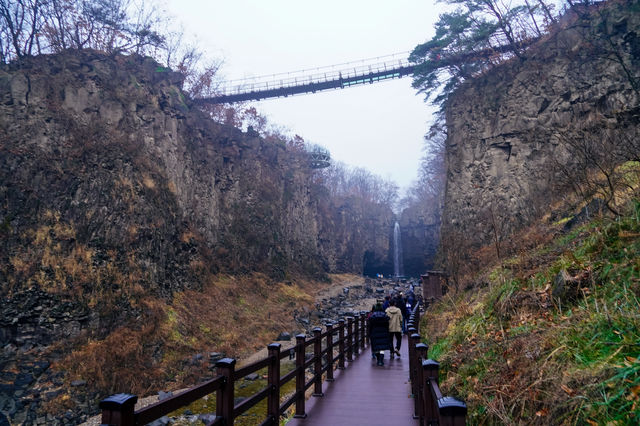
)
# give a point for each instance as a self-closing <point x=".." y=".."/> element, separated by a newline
<point x="231" y="315"/>
<point x="552" y="334"/>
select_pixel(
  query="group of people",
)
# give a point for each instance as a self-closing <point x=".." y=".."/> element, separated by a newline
<point x="387" y="322"/>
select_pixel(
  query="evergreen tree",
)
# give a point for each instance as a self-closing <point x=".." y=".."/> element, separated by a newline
<point x="475" y="36"/>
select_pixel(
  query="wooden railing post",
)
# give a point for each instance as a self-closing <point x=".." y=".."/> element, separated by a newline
<point x="367" y="331"/>
<point x="363" y="322"/>
<point x="300" y="379"/>
<point x="317" y="365"/>
<point x="118" y="410"/>
<point x="349" y="339"/>
<point x="430" y="369"/>
<point x="453" y="412"/>
<point x="421" y="350"/>
<point x="273" y="380"/>
<point x="341" y="344"/>
<point x="329" y="352"/>
<point x="224" y="402"/>
<point x="410" y="332"/>
<point x="356" y="335"/>
<point x="414" y="339"/>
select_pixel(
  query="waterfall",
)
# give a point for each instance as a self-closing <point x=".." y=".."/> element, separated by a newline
<point x="398" y="268"/>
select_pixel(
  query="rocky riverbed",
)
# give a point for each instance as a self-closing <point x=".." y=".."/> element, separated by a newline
<point x="344" y="300"/>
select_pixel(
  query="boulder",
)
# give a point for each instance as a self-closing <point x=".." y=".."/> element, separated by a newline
<point x="164" y="395"/>
<point x="284" y="336"/>
<point x="565" y="287"/>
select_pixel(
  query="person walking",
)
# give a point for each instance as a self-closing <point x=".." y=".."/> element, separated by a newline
<point x="386" y="304"/>
<point x="400" y="304"/>
<point x="379" y="336"/>
<point x="395" y="326"/>
<point x="373" y="309"/>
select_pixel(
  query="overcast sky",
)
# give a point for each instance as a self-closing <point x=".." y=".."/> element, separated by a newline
<point x="380" y="126"/>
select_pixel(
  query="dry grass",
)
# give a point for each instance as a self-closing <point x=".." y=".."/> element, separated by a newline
<point x="233" y="315"/>
<point x="122" y="360"/>
<point x="517" y="355"/>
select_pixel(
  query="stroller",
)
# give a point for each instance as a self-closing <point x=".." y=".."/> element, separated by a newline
<point x="379" y="336"/>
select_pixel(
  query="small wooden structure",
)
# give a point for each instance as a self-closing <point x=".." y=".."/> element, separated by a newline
<point x="434" y="285"/>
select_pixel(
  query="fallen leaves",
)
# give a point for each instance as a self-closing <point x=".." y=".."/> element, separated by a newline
<point x="542" y="413"/>
<point x="568" y="390"/>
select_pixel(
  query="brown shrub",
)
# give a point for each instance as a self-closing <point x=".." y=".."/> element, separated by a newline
<point x="123" y="360"/>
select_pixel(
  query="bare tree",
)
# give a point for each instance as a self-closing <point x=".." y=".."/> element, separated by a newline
<point x="595" y="161"/>
<point x="20" y="22"/>
<point x="453" y="254"/>
<point x="29" y="27"/>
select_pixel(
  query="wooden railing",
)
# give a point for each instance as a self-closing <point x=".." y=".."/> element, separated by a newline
<point x="429" y="404"/>
<point x="351" y="332"/>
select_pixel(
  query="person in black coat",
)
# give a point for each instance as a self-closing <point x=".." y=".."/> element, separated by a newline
<point x="401" y="303"/>
<point x="379" y="336"/>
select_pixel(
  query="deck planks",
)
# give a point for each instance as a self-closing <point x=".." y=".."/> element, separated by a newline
<point x="365" y="394"/>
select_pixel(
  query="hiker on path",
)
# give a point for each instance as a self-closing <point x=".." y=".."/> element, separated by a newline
<point x="379" y="336"/>
<point x="386" y="303"/>
<point x="400" y="303"/>
<point x="395" y="326"/>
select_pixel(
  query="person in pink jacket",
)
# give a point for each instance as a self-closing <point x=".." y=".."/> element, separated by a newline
<point x="395" y="326"/>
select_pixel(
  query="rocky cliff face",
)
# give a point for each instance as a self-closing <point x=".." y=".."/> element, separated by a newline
<point x="506" y="128"/>
<point x="111" y="180"/>
<point x="357" y="235"/>
<point x="420" y="232"/>
<point x="106" y="157"/>
<point x="104" y="165"/>
<point x="114" y="188"/>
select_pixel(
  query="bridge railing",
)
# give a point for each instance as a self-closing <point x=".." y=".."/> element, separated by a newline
<point x="430" y="407"/>
<point x="328" y="353"/>
<point x="318" y="75"/>
<point x="313" y="80"/>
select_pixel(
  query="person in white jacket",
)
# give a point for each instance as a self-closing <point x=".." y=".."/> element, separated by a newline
<point x="395" y="326"/>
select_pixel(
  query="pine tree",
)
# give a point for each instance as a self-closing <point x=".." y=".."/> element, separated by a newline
<point x="474" y="37"/>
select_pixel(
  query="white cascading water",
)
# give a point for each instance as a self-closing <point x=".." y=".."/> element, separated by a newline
<point x="398" y="269"/>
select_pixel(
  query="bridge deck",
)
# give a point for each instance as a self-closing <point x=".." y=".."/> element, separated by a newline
<point x="365" y="394"/>
<point x="310" y="86"/>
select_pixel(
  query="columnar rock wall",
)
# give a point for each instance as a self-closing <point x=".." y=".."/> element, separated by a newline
<point x="112" y="185"/>
<point x="420" y="232"/>
<point x="110" y="148"/>
<point x="506" y="128"/>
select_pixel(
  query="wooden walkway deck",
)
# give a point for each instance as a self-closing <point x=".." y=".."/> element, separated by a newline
<point x="365" y="394"/>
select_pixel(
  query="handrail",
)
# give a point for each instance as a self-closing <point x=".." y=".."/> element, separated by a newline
<point x="430" y="407"/>
<point x="119" y="410"/>
<point x="252" y="368"/>
<point x="166" y="406"/>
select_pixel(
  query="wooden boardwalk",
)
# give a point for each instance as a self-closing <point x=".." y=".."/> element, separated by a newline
<point x="365" y="394"/>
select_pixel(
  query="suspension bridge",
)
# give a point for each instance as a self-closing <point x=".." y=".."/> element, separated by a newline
<point x="312" y="80"/>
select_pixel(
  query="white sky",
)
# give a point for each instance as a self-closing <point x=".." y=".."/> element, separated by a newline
<point x="379" y="127"/>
